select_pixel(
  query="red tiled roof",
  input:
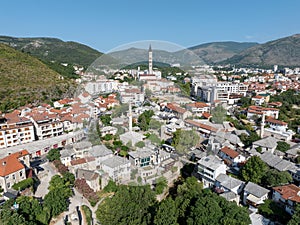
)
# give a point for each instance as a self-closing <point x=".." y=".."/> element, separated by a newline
<point x="78" y="161"/>
<point x="206" y="115"/>
<point x="272" y="120"/>
<point x="176" y="108"/>
<point x="201" y="125"/>
<point x="230" y="152"/>
<point x="258" y="97"/>
<point x="11" y="163"/>
<point x="289" y="192"/>
<point x="198" y="105"/>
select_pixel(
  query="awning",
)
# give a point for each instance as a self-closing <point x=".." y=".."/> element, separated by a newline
<point x="254" y="199"/>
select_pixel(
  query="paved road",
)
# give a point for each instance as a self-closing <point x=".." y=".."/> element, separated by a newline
<point x="45" y="177"/>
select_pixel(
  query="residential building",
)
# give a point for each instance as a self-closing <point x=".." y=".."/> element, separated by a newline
<point x="221" y="91"/>
<point x="47" y="126"/>
<point x="230" y="156"/>
<point x="288" y="196"/>
<point x="82" y="148"/>
<point x="92" y="178"/>
<point x="15" y="130"/>
<point x="254" y="194"/>
<point x="108" y="130"/>
<point x="177" y="110"/>
<point x="228" y="186"/>
<point x="100" y="153"/>
<point x="276" y="124"/>
<point x="267" y="144"/>
<point x="209" y="168"/>
<point x="117" y="168"/>
<point x="13" y="169"/>
<point x="198" y="107"/>
<point x="259" y="111"/>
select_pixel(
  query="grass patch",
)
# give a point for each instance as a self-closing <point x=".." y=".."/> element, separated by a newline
<point x="88" y="214"/>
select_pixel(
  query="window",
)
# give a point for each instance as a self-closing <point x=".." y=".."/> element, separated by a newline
<point x="8" y="185"/>
<point x="21" y="173"/>
<point x="13" y="176"/>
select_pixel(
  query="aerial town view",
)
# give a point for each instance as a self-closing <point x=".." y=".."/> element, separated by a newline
<point x="149" y="113"/>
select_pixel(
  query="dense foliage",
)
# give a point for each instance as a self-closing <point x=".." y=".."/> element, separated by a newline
<point x="183" y="140"/>
<point x="23" y="184"/>
<point x="273" y="211"/>
<point x="254" y="170"/>
<point x="257" y="171"/>
<point x="87" y="214"/>
<point x="219" y="114"/>
<point x="32" y="212"/>
<point x="144" y="119"/>
<point x="186" y="204"/>
<point x="25" y="79"/>
<point x="283" y="146"/>
<point x="53" y="154"/>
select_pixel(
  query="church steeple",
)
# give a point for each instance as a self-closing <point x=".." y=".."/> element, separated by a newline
<point x="150" y="60"/>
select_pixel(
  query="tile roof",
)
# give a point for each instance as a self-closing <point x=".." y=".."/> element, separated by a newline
<point x="272" y="120"/>
<point x="201" y="125"/>
<point x="289" y="192"/>
<point x="11" y="163"/>
<point x="230" y="152"/>
<point x="228" y="181"/>
<point x="256" y="190"/>
<point x="176" y="108"/>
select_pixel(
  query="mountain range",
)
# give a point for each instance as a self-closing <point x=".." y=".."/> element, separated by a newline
<point x="54" y="50"/>
<point x="284" y="51"/>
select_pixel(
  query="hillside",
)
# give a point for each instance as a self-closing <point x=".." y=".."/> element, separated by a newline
<point x="218" y="51"/>
<point x="284" y="52"/>
<point x="53" y="49"/>
<point x="25" y="79"/>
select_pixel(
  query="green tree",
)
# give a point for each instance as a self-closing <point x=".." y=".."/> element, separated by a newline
<point x="105" y="119"/>
<point x="166" y="213"/>
<point x="275" y="178"/>
<point x="161" y="184"/>
<point x="273" y="211"/>
<point x="183" y="140"/>
<point x="283" y="146"/>
<point x="53" y="154"/>
<point x="254" y="170"/>
<point x="144" y="119"/>
<point x="129" y="205"/>
<point x="140" y="144"/>
<point x="296" y="217"/>
<point x="219" y="114"/>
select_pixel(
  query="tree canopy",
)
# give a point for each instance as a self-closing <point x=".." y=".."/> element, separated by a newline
<point x="53" y="154"/>
<point x="183" y="140"/>
<point x="254" y="170"/>
<point x="130" y="205"/>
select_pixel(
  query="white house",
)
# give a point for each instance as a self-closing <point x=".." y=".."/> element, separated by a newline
<point x="117" y="168"/>
<point x="209" y="168"/>
<point x="231" y="156"/>
<point x="254" y="194"/>
<point x="276" y="124"/>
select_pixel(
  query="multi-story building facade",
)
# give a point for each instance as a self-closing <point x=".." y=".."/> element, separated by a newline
<point x="16" y="132"/>
<point x="209" y="168"/>
<point x="212" y="91"/>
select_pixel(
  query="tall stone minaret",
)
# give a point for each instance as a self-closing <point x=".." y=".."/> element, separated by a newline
<point x="130" y="117"/>
<point x="150" y="60"/>
<point x="262" y="125"/>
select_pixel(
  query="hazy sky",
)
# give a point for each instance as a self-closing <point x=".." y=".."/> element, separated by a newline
<point x="106" y="24"/>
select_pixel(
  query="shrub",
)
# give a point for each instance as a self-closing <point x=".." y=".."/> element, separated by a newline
<point x="23" y="184"/>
